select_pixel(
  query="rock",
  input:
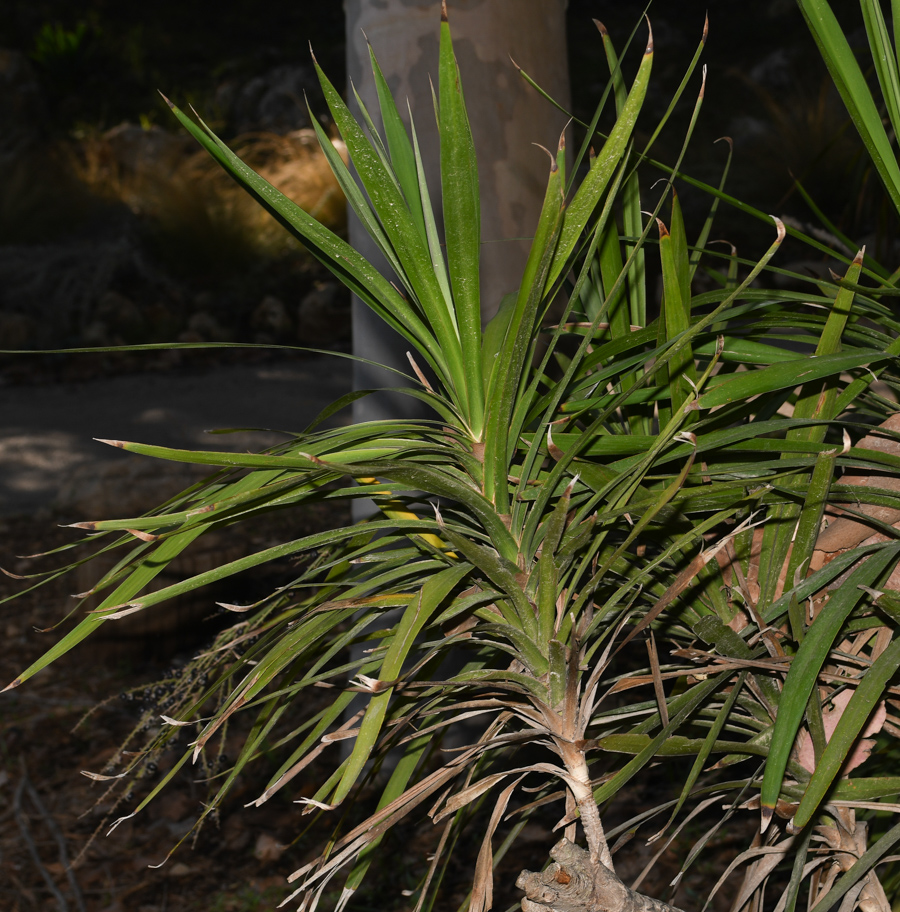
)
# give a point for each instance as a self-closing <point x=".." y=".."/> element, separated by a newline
<point x="272" y="102"/>
<point x="59" y="285"/>
<point x="271" y="319"/>
<point x="208" y="328"/>
<point x="267" y="849"/>
<point x="323" y="316"/>
<point x="137" y="149"/>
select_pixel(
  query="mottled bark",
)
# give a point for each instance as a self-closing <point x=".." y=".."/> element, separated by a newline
<point x="573" y="883"/>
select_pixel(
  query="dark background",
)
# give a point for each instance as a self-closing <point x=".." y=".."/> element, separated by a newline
<point x="764" y="86"/>
<point x="100" y="64"/>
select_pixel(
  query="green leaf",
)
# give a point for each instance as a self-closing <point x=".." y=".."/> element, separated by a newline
<point x="147" y="569"/>
<point x="805" y="667"/>
<point x="403" y="158"/>
<point x="408" y="244"/>
<point x="740" y="387"/>
<point x="348" y="265"/>
<point x="870" y="690"/>
<point x="420" y="609"/>
<point x="515" y="352"/>
<point x="587" y="197"/>
<point x="854" y="90"/>
<point x="859" y="869"/>
<point x="462" y="222"/>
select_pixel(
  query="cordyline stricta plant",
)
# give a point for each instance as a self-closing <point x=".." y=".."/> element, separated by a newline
<point x="634" y="529"/>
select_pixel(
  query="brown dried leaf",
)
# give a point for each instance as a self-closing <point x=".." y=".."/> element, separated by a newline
<point x="830" y="718"/>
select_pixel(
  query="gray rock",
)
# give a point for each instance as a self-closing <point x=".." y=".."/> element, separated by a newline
<point x="273" y="101"/>
<point x="271" y="320"/>
<point x="323" y="316"/>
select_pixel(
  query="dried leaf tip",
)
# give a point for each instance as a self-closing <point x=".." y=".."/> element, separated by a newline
<point x="779" y="227"/>
<point x="553" y="165"/>
<point x="703" y="83"/>
<point x="663" y="231"/>
<point x="766" y="815"/>
<point x="858" y="259"/>
<point x="601" y="27"/>
<point x="166" y="100"/>
<point x="119" y="444"/>
<point x="444" y="11"/>
<point x="649" y="38"/>
<point x="15" y="683"/>
<point x="705" y="34"/>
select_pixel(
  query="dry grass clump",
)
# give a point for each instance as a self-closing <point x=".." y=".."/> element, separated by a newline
<point x="197" y="216"/>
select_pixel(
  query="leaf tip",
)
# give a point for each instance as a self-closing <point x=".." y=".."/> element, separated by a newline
<point x="663" y="231"/>
<point x="766" y="815"/>
<point x="858" y="259"/>
<point x="779" y="226"/>
<point x="705" y="34"/>
<point x="444" y="11"/>
<point x="601" y="27"/>
<point x="119" y="444"/>
<point x="649" y="49"/>
<point x="553" y="166"/>
<point x="166" y="100"/>
<point x="15" y="683"/>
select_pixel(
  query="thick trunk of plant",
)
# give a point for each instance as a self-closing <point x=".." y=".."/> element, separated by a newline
<point x="576" y="883"/>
